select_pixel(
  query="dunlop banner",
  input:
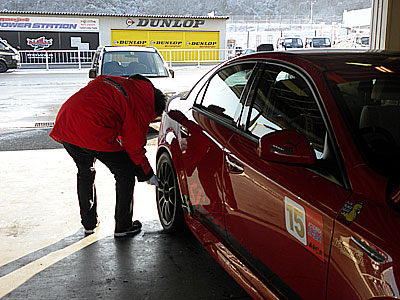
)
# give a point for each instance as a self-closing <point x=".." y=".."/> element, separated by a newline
<point x="165" y="40"/>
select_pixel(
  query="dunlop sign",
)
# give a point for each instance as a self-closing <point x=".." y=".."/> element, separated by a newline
<point x="169" y="23"/>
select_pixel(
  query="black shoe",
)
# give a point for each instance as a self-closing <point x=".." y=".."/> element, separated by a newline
<point x="136" y="227"/>
<point x="92" y="230"/>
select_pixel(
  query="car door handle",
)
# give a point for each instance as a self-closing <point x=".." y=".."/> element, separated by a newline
<point x="375" y="255"/>
<point x="185" y="133"/>
<point x="233" y="165"/>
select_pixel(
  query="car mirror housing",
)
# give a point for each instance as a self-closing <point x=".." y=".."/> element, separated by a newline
<point x="92" y="73"/>
<point x="286" y="146"/>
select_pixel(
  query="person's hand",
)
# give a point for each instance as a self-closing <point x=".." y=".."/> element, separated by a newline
<point x="153" y="180"/>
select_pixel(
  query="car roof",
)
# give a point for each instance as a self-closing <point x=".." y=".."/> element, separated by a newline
<point x="127" y="48"/>
<point x="327" y="59"/>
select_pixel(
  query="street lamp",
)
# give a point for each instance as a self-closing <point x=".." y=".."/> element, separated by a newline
<point x="312" y="2"/>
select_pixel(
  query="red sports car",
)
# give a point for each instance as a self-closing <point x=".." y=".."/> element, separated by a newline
<point x="286" y="166"/>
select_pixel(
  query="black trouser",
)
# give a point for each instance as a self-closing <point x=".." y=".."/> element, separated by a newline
<point x="123" y="169"/>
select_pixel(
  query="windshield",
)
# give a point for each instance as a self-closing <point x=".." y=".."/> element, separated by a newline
<point x="321" y="42"/>
<point x="126" y="63"/>
<point x="369" y="98"/>
<point x="365" y="41"/>
<point x="293" y="43"/>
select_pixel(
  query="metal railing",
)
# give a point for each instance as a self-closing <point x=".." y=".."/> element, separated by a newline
<point x="196" y="56"/>
<point x="81" y="59"/>
<point x="57" y="57"/>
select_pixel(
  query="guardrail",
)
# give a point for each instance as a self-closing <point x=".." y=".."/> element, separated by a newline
<point x="81" y="59"/>
<point x="57" y="57"/>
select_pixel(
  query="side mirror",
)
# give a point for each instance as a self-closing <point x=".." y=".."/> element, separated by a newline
<point x="286" y="146"/>
<point x="92" y="73"/>
<point x="172" y="73"/>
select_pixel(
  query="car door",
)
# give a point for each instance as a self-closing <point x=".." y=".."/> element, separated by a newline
<point x="207" y="128"/>
<point x="280" y="217"/>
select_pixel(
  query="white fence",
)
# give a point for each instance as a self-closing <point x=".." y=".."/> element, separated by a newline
<point x="81" y="59"/>
<point x="56" y="57"/>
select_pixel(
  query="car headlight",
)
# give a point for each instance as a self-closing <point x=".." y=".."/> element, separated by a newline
<point x="169" y="94"/>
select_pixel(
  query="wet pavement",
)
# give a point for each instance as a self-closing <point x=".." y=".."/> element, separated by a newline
<point x="33" y="97"/>
<point x="44" y="253"/>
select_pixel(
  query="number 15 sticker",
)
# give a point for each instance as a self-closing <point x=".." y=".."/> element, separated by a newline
<point x="306" y="226"/>
<point x="295" y="217"/>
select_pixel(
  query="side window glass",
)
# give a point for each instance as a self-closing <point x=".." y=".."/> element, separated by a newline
<point x="283" y="100"/>
<point x="224" y="90"/>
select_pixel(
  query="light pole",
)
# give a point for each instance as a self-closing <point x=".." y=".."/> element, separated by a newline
<point x="312" y="2"/>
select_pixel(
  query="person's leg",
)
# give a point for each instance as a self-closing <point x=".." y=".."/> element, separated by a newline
<point x="123" y="169"/>
<point x="85" y="184"/>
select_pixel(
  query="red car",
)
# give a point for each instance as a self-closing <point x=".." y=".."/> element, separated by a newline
<point x="286" y="166"/>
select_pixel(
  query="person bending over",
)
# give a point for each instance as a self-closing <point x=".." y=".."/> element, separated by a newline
<point x="108" y="120"/>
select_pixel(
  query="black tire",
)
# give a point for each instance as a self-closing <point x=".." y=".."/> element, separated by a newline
<point x="169" y="204"/>
<point x="3" y="67"/>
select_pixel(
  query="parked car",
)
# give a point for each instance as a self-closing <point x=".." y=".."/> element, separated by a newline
<point x="289" y="43"/>
<point x="9" y="57"/>
<point x="362" y="42"/>
<point x="129" y="60"/>
<point x="248" y="51"/>
<point x="318" y="42"/>
<point x="285" y="165"/>
<point x="265" y="47"/>
<point x="235" y="51"/>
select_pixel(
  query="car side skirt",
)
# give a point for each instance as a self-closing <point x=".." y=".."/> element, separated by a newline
<point x="229" y="261"/>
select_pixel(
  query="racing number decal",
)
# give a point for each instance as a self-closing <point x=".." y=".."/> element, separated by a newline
<point x="306" y="226"/>
<point x="295" y="217"/>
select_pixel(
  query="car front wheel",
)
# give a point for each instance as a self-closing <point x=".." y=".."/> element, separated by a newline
<point x="3" y="67"/>
<point x="169" y="204"/>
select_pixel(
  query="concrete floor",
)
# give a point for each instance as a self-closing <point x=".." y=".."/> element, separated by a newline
<point x="44" y="253"/>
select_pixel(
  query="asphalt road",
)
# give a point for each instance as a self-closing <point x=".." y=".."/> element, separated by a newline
<point x="43" y="251"/>
<point x="30" y="100"/>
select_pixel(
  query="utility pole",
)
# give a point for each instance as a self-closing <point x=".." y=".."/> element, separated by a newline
<point x="312" y="2"/>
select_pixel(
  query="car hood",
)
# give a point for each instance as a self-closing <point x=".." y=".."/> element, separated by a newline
<point x="167" y="85"/>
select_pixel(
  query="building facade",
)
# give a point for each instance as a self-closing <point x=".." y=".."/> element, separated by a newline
<point x="62" y="31"/>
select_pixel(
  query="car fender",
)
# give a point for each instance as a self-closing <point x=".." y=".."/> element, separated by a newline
<point x="169" y="143"/>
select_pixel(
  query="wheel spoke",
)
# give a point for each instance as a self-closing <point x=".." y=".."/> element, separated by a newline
<point x="163" y="211"/>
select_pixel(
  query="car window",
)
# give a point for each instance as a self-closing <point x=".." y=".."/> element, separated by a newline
<point x="283" y="100"/>
<point x="126" y="63"/>
<point x="224" y="90"/>
<point x="369" y="100"/>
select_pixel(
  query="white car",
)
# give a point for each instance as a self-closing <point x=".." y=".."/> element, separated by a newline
<point x="127" y="61"/>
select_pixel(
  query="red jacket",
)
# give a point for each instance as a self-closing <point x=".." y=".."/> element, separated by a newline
<point x="108" y="107"/>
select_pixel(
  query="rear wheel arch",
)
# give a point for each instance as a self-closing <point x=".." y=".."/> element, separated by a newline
<point x="168" y="195"/>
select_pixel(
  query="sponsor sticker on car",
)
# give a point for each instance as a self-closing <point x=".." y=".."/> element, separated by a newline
<point x="306" y="226"/>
